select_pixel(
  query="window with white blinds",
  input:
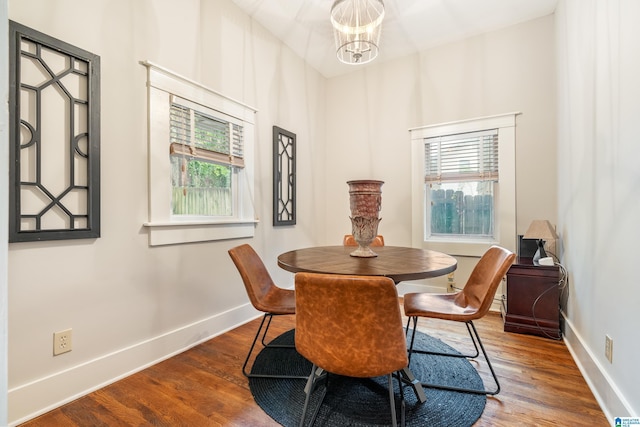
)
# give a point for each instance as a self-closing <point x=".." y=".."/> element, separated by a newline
<point x="204" y="137"/>
<point x="462" y="157"/>
<point x="201" y="162"/>
<point x="463" y="187"/>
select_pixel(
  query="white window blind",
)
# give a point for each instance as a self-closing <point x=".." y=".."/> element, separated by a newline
<point x="212" y="173"/>
<point x="461" y="157"/>
<point x="201" y="136"/>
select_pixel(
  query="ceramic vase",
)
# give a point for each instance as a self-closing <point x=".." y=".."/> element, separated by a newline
<point x="365" y="201"/>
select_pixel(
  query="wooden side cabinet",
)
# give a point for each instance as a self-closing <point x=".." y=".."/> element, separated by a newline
<point x="532" y="304"/>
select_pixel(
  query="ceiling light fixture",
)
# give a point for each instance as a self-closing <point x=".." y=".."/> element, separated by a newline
<point x="356" y="25"/>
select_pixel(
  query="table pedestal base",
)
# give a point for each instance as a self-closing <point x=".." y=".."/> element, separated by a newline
<point x="409" y="378"/>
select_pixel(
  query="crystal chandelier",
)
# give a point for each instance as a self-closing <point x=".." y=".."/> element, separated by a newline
<point x="356" y="25"/>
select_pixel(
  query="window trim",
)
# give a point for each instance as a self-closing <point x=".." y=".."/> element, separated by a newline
<point x="505" y="197"/>
<point x="163" y="228"/>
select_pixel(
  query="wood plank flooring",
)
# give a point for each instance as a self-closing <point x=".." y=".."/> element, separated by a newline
<point x="204" y="386"/>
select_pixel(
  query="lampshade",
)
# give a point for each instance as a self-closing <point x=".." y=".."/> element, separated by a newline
<point x="542" y="231"/>
<point x="356" y="26"/>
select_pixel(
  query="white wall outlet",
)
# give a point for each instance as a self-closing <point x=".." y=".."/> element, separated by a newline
<point x="608" y="348"/>
<point x="451" y="282"/>
<point x="62" y="342"/>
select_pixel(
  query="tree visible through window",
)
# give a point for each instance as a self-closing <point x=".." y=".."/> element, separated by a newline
<point x="204" y="149"/>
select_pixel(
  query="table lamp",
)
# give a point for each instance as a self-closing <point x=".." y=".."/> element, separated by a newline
<point x="541" y="230"/>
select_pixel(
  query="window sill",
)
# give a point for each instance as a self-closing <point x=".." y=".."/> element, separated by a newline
<point x="171" y="233"/>
<point x="471" y="248"/>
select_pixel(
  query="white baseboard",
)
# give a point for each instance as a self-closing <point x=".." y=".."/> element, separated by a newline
<point x="37" y="397"/>
<point x="408" y="287"/>
<point x="607" y="394"/>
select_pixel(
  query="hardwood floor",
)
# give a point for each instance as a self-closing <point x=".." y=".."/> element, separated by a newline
<point x="204" y="386"/>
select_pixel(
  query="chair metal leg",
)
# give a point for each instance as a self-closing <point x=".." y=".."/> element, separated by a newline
<point x="473" y="333"/>
<point x="268" y="316"/>
<point x="316" y="374"/>
<point x="408" y="378"/>
<point x="392" y="402"/>
<point x="264" y="335"/>
<point x="307" y="391"/>
<point x="435" y="353"/>
<point x="402" y="401"/>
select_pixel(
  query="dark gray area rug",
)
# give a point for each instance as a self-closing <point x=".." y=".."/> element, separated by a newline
<point x="364" y="402"/>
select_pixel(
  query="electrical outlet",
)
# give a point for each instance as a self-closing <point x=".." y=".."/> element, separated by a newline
<point x="451" y="282"/>
<point x="62" y="342"/>
<point x="608" y="348"/>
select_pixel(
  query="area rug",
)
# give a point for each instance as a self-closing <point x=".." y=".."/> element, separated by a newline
<point x="365" y="402"/>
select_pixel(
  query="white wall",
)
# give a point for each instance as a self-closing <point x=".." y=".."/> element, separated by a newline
<point x="371" y="111"/>
<point x="4" y="185"/>
<point x="598" y="180"/>
<point x="128" y="304"/>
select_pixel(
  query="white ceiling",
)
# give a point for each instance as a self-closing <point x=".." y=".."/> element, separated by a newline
<point x="409" y="25"/>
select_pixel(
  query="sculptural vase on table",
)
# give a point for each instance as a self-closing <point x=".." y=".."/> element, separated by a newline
<point x="365" y="202"/>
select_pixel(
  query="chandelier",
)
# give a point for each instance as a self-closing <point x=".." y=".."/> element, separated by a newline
<point x="356" y="26"/>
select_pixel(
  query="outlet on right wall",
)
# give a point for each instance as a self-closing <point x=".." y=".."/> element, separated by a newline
<point x="598" y="176"/>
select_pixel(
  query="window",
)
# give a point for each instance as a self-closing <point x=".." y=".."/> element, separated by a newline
<point x="460" y="172"/>
<point x="205" y="151"/>
<point x="200" y="168"/>
<point x="464" y="191"/>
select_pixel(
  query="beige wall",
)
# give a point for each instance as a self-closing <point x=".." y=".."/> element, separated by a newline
<point x="371" y="110"/>
<point x="4" y="185"/>
<point x="598" y="145"/>
<point x="129" y="304"/>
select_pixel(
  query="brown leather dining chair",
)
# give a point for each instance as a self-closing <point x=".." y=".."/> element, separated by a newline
<point x="370" y="344"/>
<point x="349" y="240"/>
<point x="265" y="296"/>
<point x="467" y="305"/>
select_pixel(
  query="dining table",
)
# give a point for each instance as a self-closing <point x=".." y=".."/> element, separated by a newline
<point x="396" y="262"/>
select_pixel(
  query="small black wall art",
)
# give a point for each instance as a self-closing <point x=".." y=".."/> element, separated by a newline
<point x="284" y="177"/>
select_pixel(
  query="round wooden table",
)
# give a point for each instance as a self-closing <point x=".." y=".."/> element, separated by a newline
<point x="398" y="263"/>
